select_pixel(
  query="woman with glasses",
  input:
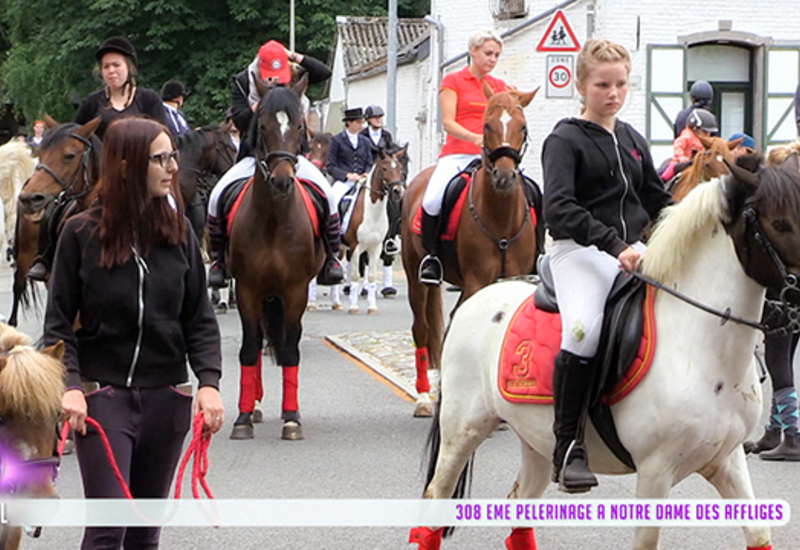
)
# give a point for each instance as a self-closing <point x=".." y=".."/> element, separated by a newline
<point x="131" y="268"/>
<point x="116" y="64"/>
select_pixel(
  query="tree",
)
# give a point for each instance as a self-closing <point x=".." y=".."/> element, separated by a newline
<point x="203" y="43"/>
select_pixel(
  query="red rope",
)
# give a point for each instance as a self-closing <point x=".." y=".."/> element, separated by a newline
<point x="199" y="448"/>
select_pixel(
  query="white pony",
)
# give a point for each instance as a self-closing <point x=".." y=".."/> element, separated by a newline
<point x="701" y="396"/>
<point x="16" y="166"/>
<point x="366" y="229"/>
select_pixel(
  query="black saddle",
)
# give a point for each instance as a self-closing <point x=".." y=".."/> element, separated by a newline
<point x="619" y="343"/>
<point x="347" y="201"/>
<point x="228" y="197"/>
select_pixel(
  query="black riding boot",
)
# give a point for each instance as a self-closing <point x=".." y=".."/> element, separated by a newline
<point x="390" y="244"/>
<point x="40" y="267"/>
<point x="430" y="268"/>
<point x="332" y="273"/>
<point x="218" y="242"/>
<point x="572" y="378"/>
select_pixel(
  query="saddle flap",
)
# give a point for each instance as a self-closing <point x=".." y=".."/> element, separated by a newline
<point x="545" y="294"/>
<point x="229" y="196"/>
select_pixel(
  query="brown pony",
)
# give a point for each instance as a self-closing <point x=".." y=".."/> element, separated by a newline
<point x="31" y="384"/>
<point x="274" y="254"/>
<point x="496" y="234"/>
<point x="706" y="165"/>
<point x="69" y="162"/>
<point x="318" y="150"/>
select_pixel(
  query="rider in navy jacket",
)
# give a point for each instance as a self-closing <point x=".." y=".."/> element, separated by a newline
<point x="343" y="158"/>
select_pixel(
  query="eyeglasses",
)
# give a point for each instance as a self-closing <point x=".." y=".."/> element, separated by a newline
<point x="164" y="158"/>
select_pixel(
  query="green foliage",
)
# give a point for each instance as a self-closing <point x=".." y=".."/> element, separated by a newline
<point x="48" y="55"/>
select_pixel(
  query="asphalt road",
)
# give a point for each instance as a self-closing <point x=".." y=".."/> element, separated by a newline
<point x="362" y="443"/>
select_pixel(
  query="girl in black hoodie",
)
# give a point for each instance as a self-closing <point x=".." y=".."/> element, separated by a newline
<point x="601" y="190"/>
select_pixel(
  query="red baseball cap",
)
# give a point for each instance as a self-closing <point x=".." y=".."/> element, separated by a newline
<point x="273" y="62"/>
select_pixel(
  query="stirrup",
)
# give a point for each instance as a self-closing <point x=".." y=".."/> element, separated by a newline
<point x="581" y="477"/>
<point x="430" y="270"/>
<point x="217" y="276"/>
<point x="390" y="246"/>
<point x="38" y="271"/>
<point x="331" y="274"/>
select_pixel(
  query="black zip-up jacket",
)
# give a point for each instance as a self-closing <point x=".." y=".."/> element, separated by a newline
<point x="587" y="197"/>
<point x="166" y="289"/>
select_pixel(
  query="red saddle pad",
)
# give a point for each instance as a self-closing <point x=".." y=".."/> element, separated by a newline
<point x="307" y="202"/>
<point x="531" y="342"/>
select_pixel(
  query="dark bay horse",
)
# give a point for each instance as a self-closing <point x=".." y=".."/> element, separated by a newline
<point x="318" y="150"/>
<point x="274" y="254"/>
<point x="31" y="385"/>
<point x="205" y="154"/>
<point x="69" y="165"/>
<point x="496" y="235"/>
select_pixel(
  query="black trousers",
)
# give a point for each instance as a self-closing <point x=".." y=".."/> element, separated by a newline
<point x="146" y="428"/>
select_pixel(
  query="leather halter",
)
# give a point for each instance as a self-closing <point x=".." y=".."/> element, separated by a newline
<point x="67" y="188"/>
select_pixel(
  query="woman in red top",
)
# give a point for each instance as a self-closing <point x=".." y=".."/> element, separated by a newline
<point x="461" y="102"/>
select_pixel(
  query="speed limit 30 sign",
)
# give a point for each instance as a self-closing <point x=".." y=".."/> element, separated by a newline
<point x="559" y="75"/>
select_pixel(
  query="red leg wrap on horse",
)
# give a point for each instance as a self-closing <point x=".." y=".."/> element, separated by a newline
<point x="421" y="362"/>
<point x="247" y="388"/>
<point x="768" y="547"/>
<point x="259" y="384"/>
<point x="289" y="388"/>
<point x="521" y="538"/>
<point x="427" y="539"/>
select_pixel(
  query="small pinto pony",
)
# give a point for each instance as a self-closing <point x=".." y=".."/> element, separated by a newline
<point x="69" y="166"/>
<point x="496" y="235"/>
<point x="31" y="385"/>
<point x="274" y="254"/>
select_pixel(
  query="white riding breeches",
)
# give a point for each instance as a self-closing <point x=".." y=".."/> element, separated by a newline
<point x="447" y="167"/>
<point x="583" y="276"/>
<point x="246" y="167"/>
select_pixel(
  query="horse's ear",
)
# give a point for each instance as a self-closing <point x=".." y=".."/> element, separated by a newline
<point x="56" y="351"/>
<point x="706" y="141"/>
<point x="300" y="88"/>
<point x="735" y="143"/>
<point x="743" y="176"/>
<point x="525" y="99"/>
<point x="89" y="128"/>
<point x="400" y="153"/>
<point x="487" y="91"/>
<point x="226" y="126"/>
<point x="261" y="87"/>
<point x="792" y="163"/>
<point x="49" y="122"/>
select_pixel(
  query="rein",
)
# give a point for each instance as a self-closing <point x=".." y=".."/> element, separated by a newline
<point x="84" y="166"/>
<point x="501" y="243"/>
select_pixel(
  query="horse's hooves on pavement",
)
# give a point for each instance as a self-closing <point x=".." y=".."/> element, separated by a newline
<point x="311" y="307"/>
<point x="242" y="431"/>
<point x="372" y="311"/>
<point x="292" y="431"/>
<point x="353" y="311"/>
<point x="423" y="409"/>
<point x="336" y="307"/>
<point x="258" y="416"/>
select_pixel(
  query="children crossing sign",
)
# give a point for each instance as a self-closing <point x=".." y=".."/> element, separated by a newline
<point x="559" y="36"/>
<point x="559" y="75"/>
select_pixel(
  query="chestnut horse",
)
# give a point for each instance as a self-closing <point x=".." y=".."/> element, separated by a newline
<point x="274" y="254"/>
<point x="496" y="235"/>
<point x="706" y="165"/>
<point x="205" y="154"/>
<point x="69" y="165"/>
<point x="31" y="385"/>
<point x="318" y="151"/>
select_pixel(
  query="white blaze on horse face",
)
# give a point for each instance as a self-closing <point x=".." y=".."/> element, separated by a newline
<point x="283" y="121"/>
<point x="505" y="118"/>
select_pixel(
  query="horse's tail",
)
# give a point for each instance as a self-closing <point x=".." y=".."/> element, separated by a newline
<point x="272" y="311"/>
<point x="464" y="483"/>
<point x="435" y="318"/>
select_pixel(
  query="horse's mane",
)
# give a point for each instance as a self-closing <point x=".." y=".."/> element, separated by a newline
<point x="676" y="231"/>
<point x="191" y="143"/>
<point x="62" y="132"/>
<point x="502" y="100"/>
<point x="31" y="385"/>
<point x="282" y="99"/>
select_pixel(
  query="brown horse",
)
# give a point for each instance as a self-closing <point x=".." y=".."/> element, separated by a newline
<point x="69" y="163"/>
<point x="31" y="385"/>
<point x="205" y="154"/>
<point x="706" y="165"/>
<point x="496" y="234"/>
<point x="318" y="150"/>
<point x="369" y="223"/>
<point x="274" y="254"/>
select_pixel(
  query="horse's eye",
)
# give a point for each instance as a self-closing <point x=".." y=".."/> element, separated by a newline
<point x="69" y="158"/>
<point x="782" y="226"/>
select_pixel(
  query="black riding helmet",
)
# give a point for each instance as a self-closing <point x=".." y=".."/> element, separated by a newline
<point x="702" y="90"/>
<point x="373" y="111"/>
<point x="117" y="44"/>
<point x="705" y="120"/>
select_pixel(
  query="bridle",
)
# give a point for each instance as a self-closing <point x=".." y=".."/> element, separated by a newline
<point x="386" y="187"/>
<point x="67" y="188"/>
<point x="266" y="164"/>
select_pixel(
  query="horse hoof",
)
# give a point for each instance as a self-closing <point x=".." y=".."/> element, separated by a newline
<point x="258" y="416"/>
<point x="311" y="307"/>
<point x="242" y="431"/>
<point x="336" y="307"/>
<point x="372" y="311"/>
<point x="292" y="431"/>
<point x="222" y="308"/>
<point x="353" y="310"/>
<point x="424" y="406"/>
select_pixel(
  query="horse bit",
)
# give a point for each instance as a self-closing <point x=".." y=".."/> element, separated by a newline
<point x="84" y="165"/>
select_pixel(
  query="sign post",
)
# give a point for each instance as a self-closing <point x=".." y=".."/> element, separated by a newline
<point x="560" y="70"/>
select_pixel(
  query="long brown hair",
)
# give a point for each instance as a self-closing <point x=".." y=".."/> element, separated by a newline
<point x="130" y="218"/>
